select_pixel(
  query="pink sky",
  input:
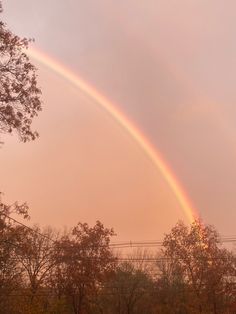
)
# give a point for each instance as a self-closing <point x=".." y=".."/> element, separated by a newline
<point x="170" y="66"/>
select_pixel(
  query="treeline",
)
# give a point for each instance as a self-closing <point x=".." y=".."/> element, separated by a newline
<point x="78" y="271"/>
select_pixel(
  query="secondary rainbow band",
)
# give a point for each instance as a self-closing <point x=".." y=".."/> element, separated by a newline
<point x="112" y="109"/>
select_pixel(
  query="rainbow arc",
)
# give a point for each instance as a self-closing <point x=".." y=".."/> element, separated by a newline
<point x="120" y="118"/>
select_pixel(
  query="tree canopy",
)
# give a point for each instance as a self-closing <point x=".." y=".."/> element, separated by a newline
<point x="196" y="270"/>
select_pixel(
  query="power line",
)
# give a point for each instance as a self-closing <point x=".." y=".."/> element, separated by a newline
<point x="116" y="245"/>
<point x="27" y="227"/>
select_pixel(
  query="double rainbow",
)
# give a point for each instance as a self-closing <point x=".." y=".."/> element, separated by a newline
<point x="120" y="118"/>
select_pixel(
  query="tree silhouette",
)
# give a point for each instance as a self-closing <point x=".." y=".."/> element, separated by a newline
<point x="19" y="93"/>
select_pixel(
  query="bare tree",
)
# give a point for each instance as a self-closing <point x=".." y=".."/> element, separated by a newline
<point x="11" y="274"/>
<point x="35" y="252"/>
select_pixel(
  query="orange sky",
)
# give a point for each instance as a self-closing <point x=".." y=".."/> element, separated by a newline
<point x="85" y="167"/>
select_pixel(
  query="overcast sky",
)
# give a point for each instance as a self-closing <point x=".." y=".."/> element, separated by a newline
<point x="170" y="66"/>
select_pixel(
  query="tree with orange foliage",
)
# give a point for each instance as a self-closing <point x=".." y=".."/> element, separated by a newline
<point x="84" y="259"/>
<point x="203" y="272"/>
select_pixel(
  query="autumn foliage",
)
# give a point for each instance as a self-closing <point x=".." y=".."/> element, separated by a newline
<point x="77" y="271"/>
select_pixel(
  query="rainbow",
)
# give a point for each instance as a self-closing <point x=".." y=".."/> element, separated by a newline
<point x="120" y="118"/>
